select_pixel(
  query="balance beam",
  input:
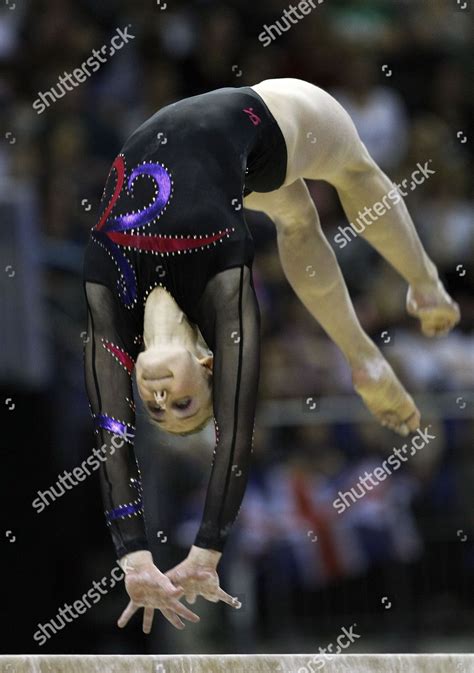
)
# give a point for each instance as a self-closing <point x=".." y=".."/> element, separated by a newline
<point x="233" y="663"/>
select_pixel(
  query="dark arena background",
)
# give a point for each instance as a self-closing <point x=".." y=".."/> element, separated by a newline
<point x="399" y="563"/>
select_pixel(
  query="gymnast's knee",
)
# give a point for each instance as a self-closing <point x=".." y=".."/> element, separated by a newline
<point x="294" y="238"/>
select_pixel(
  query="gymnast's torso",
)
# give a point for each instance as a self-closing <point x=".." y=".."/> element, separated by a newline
<point x="172" y="210"/>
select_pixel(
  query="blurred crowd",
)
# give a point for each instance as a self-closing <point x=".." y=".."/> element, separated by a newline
<point x="400" y="68"/>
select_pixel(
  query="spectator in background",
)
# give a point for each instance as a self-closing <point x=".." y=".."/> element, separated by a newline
<point x="377" y="111"/>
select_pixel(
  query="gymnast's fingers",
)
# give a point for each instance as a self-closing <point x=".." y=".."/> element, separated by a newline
<point x="182" y="578"/>
<point x="183" y="611"/>
<point x="148" y="614"/>
<point x="127" y="614"/>
<point x="230" y="600"/>
<point x="173" y="619"/>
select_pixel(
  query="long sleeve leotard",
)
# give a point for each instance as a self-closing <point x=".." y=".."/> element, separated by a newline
<point x="172" y="216"/>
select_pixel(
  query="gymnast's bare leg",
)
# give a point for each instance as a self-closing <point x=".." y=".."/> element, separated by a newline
<point x="339" y="157"/>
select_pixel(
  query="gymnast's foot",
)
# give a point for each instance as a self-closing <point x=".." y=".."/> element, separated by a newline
<point x="384" y="395"/>
<point x="435" y="309"/>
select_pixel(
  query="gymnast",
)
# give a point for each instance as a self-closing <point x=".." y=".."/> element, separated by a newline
<point x="169" y="291"/>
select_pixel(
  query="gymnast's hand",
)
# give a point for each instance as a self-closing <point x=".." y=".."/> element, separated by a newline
<point x="433" y="306"/>
<point x="197" y="576"/>
<point x="150" y="589"/>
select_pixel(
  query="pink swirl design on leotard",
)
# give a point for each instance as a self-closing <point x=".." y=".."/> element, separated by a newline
<point x="119" y="167"/>
<point x="126" y="284"/>
<point x="159" y="243"/>
<point x="122" y="356"/>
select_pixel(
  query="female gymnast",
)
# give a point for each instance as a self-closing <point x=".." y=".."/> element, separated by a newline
<point x="168" y="284"/>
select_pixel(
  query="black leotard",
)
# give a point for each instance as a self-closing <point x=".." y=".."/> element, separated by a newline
<point x="172" y="216"/>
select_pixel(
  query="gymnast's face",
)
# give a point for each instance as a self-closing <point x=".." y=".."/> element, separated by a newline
<point x="175" y="387"/>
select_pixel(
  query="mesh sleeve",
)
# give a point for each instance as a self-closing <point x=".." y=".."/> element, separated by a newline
<point x="109" y="359"/>
<point x="230" y="324"/>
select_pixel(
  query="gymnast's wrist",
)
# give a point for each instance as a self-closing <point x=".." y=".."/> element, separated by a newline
<point x="136" y="560"/>
<point x="204" y="557"/>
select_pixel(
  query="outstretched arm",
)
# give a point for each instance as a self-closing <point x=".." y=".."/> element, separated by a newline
<point x="230" y="325"/>
<point x="229" y="322"/>
<point x="109" y="359"/>
<point x="311" y="268"/>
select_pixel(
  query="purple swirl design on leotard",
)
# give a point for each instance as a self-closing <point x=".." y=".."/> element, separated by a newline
<point x="132" y="220"/>
<point x="113" y="232"/>
<point x="122" y="511"/>
<point x="116" y="427"/>
<point x="126" y="284"/>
